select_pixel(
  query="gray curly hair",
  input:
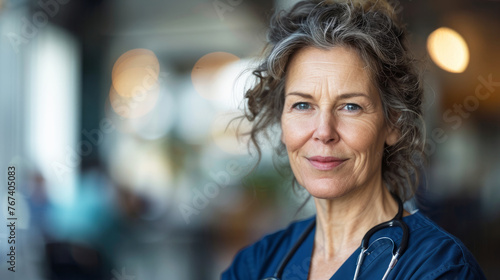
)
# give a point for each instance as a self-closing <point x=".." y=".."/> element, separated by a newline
<point x="373" y="31"/>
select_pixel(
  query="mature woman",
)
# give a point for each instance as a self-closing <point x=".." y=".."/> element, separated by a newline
<point x="339" y="81"/>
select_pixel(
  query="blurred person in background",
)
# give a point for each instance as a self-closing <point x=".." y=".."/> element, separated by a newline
<point x="340" y="83"/>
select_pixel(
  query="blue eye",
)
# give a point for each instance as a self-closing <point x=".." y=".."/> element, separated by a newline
<point x="301" y="106"/>
<point x="352" y="107"/>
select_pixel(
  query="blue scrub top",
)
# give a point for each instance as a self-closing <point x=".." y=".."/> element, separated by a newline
<point x="432" y="253"/>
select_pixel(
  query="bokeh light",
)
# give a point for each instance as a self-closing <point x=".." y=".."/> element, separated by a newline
<point x="206" y="70"/>
<point x="448" y="49"/>
<point x="135" y="70"/>
<point x="135" y="88"/>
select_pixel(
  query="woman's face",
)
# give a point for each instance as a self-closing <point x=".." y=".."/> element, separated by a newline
<point x="333" y="124"/>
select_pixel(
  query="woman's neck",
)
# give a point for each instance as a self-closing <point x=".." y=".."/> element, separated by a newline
<point x="342" y="222"/>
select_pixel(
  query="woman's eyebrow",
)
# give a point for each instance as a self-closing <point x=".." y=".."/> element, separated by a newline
<point x="342" y="96"/>
<point x="304" y="95"/>
<point x="354" y="94"/>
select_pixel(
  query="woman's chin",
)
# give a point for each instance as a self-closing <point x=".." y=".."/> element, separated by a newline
<point x="323" y="190"/>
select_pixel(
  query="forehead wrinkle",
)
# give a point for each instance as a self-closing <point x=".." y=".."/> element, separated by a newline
<point x="347" y="79"/>
<point x="325" y="94"/>
<point x="314" y="73"/>
<point x="354" y="66"/>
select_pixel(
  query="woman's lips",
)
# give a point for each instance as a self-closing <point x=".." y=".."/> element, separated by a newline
<point x="325" y="163"/>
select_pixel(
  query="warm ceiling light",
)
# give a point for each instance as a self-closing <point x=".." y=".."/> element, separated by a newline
<point x="136" y="70"/>
<point x="206" y="70"/>
<point x="135" y="78"/>
<point x="448" y="50"/>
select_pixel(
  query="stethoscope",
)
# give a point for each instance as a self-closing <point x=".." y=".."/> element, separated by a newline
<point x="397" y="221"/>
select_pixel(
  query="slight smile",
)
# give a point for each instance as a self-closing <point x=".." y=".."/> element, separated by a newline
<point x="325" y="163"/>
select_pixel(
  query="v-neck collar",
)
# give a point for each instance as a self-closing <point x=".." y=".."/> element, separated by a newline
<point x="300" y="263"/>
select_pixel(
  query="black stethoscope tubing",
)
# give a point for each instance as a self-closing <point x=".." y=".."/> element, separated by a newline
<point x="396" y="221"/>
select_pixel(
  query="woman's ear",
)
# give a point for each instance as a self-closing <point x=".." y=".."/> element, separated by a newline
<point x="393" y="135"/>
<point x="393" y="132"/>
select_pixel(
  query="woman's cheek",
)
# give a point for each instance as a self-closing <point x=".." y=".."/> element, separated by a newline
<point x="296" y="130"/>
<point x="357" y="132"/>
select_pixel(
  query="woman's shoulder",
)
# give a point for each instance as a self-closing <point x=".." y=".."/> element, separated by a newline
<point x="427" y="234"/>
<point x="268" y="250"/>
<point x="443" y="253"/>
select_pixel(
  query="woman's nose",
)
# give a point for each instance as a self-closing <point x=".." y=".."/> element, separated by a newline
<point x="326" y="128"/>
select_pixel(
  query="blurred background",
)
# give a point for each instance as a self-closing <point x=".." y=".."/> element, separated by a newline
<point x="114" y="115"/>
